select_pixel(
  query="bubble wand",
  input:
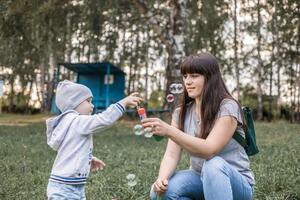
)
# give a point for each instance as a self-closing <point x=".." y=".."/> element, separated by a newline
<point x="143" y="115"/>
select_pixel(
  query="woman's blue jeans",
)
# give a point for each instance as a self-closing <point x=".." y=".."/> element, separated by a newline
<point x="217" y="181"/>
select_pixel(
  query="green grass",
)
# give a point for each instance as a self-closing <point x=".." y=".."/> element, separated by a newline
<point x="21" y="120"/>
<point x="26" y="162"/>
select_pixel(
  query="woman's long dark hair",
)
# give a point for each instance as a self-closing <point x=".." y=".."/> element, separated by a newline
<point x="214" y="90"/>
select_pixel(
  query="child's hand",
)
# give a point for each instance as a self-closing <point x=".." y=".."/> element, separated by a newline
<point x="131" y="100"/>
<point x="97" y="164"/>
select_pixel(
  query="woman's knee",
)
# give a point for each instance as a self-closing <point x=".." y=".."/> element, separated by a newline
<point x="214" y="166"/>
<point x="182" y="184"/>
<point x="170" y="194"/>
<point x="174" y="187"/>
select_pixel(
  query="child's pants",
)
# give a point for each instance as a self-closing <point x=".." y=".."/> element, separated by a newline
<point x="60" y="191"/>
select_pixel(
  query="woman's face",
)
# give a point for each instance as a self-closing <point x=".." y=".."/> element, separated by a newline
<point x="194" y="84"/>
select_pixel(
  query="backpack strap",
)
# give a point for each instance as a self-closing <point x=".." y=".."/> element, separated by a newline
<point x="240" y="139"/>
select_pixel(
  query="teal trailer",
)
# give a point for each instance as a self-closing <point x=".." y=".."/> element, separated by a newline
<point x="106" y="81"/>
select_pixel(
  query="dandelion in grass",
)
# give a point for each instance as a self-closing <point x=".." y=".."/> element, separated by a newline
<point x="131" y="181"/>
<point x="130" y="177"/>
<point x="138" y="129"/>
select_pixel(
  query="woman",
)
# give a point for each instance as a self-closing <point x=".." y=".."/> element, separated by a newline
<point x="203" y="126"/>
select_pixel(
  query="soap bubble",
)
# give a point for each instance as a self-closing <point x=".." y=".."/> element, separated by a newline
<point x="131" y="180"/>
<point x="148" y="132"/>
<point x="179" y="88"/>
<point x="170" y="98"/>
<point x="138" y="129"/>
<point x="176" y="88"/>
<point x="173" y="88"/>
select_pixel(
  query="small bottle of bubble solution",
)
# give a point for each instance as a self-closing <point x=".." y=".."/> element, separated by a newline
<point x="143" y="115"/>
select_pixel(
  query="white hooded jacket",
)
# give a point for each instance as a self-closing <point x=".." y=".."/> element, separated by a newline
<point x="70" y="134"/>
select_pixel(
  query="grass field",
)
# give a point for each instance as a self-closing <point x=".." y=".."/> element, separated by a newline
<point x="26" y="162"/>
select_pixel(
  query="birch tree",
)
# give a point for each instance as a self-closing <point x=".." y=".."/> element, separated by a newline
<point x="170" y="29"/>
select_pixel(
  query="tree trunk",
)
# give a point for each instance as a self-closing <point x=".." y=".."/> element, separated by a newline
<point x="172" y="37"/>
<point x="271" y="80"/>
<point x="69" y="38"/>
<point x="42" y="85"/>
<point x="259" y="67"/>
<point x="237" y="70"/>
<point x="297" y="102"/>
<point x="50" y="83"/>
<point x="12" y="93"/>
<point x="298" y="71"/>
<point x="130" y="78"/>
<point x="279" y="81"/>
<point x="52" y="68"/>
<point x="38" y="91"/>
<point x="271" y="66"/>
<point x="27" y="111"/>
<point x="146" y="80"/>
<point x="292" y="75"/>
<point x="297" y="74"/>
<point x="40" y="78"/>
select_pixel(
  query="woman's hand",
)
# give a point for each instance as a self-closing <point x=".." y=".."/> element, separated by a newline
<point x="97" y="164"/>
<point x="160" y="186"/>
<point x="157" y="126"/>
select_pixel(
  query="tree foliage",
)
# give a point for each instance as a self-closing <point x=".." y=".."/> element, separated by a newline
<point x="147" y="38"/>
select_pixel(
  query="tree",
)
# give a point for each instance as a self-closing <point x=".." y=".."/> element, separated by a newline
<point x="170" y="30"/>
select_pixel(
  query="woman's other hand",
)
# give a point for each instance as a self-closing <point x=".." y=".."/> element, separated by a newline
<point x="160" y="186"/>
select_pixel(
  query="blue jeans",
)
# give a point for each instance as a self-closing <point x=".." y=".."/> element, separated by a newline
<point x="218" y="180"/>
<point x="60" y="191"/>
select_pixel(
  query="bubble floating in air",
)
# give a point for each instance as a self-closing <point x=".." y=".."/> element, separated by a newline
<point x="148" y="132"/>
<point x="173" y="88"/>
<point x="170" y="98"/>
<point x="138" y="129"/>
<point x="179" y="88"/>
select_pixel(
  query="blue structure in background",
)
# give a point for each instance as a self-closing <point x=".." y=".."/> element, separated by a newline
<point x="106" y="81"/>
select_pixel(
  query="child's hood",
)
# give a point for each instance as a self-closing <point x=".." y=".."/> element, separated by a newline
<point x="57" y="128"/>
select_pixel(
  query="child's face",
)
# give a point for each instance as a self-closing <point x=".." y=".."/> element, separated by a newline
<point x="86" y="107"/>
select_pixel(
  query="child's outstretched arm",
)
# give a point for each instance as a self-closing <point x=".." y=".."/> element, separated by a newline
<point x="132" y="100"/>
<point x="87" y="124"/>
